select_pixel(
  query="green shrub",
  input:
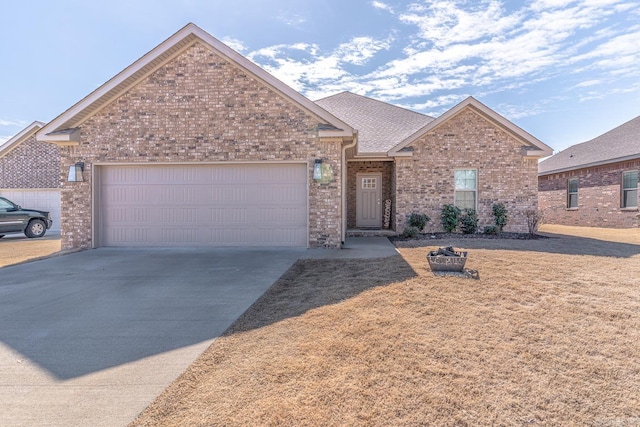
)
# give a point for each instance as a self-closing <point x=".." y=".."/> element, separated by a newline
<point x="500" y="215"/>
<point x="418" y="220"/>
<point x="490" y="229"/>
<point x="469" y="221"/>
<point x="410" y="232"/>
<point x="450" y="217"/>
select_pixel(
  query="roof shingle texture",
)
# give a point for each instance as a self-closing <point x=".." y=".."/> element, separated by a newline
<point x="380" y="126"/>
<point x="618" y="144"/>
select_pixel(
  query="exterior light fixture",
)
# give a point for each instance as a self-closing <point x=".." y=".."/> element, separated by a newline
<point x="75" y="172"/>
<point x="317" y="170"/>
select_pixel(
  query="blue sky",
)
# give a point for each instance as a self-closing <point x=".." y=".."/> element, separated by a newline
<point x="565" y="71"/>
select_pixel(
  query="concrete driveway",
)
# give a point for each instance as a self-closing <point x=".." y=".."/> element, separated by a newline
<point x="91" y="338"/>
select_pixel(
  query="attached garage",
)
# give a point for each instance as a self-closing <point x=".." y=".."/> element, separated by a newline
<point x="195" y="145"/>
<point x="232" y="204"/>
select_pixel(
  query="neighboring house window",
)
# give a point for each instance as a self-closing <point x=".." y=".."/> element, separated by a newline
<point x="466" y="188"/>
<point x="572" y="196"/>
<point x="630" y="189"/>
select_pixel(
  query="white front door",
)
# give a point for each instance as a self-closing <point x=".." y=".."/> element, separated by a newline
<point x="369" y="201"/>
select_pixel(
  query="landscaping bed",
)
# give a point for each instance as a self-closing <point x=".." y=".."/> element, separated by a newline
<point x="442" y="236"/>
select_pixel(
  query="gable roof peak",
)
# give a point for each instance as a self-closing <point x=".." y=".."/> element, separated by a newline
<point x="161" y="55"/>
<point x="538" y="148"/>
<point x="20" y="137"/>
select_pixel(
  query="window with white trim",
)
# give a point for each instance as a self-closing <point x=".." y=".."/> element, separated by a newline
<point x="466" y="188"/>
<point x="630" y="189"/>
<point x="572" y="193"/>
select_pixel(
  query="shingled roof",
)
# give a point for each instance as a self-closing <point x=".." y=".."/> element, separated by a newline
<point x="619" y="144"/>
<point x="380" y="126"/>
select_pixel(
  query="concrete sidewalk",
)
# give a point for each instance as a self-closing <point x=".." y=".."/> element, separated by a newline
<point x="91" y="338"/>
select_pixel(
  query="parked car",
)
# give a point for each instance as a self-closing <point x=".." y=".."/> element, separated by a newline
<point x="15" y="219"/>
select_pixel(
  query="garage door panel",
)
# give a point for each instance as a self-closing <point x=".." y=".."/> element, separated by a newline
<point x="235" y="205"/>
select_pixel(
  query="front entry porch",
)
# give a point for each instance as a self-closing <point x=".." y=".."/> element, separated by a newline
<point x="370" y="198"/>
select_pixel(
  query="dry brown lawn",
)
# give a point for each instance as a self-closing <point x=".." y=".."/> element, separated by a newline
<point x="16" y="249"/>
<point x="549" y="335"/>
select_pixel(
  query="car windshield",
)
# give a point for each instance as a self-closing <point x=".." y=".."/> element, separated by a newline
<point x="5" y="204"/>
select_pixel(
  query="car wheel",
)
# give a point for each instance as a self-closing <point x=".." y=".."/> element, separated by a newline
<point x="36" y="228"/>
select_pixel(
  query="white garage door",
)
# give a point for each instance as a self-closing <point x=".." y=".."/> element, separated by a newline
<point x="203" y="205"/>
<point x="40" y="199"/>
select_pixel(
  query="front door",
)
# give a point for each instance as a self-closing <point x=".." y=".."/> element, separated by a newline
<point x="369" y="201"/>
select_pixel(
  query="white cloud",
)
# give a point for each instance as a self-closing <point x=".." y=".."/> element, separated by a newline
<point x="465" y="46"/>
<point x="444" y="23"/>
<point x="589" y="83"/>
<point x="292" y="19"/>
<point x="305" y="68"/>
<point x="360" y="49"/>
<point x="435" y="105"/>
<point x="5" y="122"/>
<point x="234" y="44"/>
<point x="382" y="6"/>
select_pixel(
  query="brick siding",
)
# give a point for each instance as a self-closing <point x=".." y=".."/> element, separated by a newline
<point x="599" y="197"/>
<point x="32" y="164"/>
<point x="201" y="108"/>
<point x="425" y="181"/>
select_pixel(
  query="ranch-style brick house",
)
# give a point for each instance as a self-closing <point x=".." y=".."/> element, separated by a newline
<point x="193" y="144"/>
<point x="595" y="183"/>
<point x="30" y="172"/>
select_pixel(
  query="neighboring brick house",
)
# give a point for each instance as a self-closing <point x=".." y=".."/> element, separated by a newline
<point x="30" y="172"/>
<point x="595" y="183"/>
<point x="193" y="144"/>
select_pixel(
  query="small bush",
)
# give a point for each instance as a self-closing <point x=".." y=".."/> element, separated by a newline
<point x="535" y="219"/>
<point x="469" y="221"/>
<point x="410" y="232"/>
<point x="500" y="215"/>
<point x="450" y="217"/>
<point x="419" y="220"/>
<point x="490" y="229"/>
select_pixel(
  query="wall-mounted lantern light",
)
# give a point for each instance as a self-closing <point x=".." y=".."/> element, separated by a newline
<point x="317" y="170"/>
<point x="75" y="172"/>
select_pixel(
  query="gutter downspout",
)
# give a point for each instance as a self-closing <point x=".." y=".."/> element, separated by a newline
<point x="344" y="185"/>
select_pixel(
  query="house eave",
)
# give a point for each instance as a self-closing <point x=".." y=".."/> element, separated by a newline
<point x="63" y="138"/>
<point x="336" y="133"/>
<point x="590" y="165"/>
<point x="370" y="157"/>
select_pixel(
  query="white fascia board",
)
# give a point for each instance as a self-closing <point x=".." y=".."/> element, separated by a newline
<point x="337" y="133"/>
<point x="63" y="139"/>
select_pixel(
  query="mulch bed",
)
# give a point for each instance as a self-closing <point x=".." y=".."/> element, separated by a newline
<point x="442" y="236"/>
